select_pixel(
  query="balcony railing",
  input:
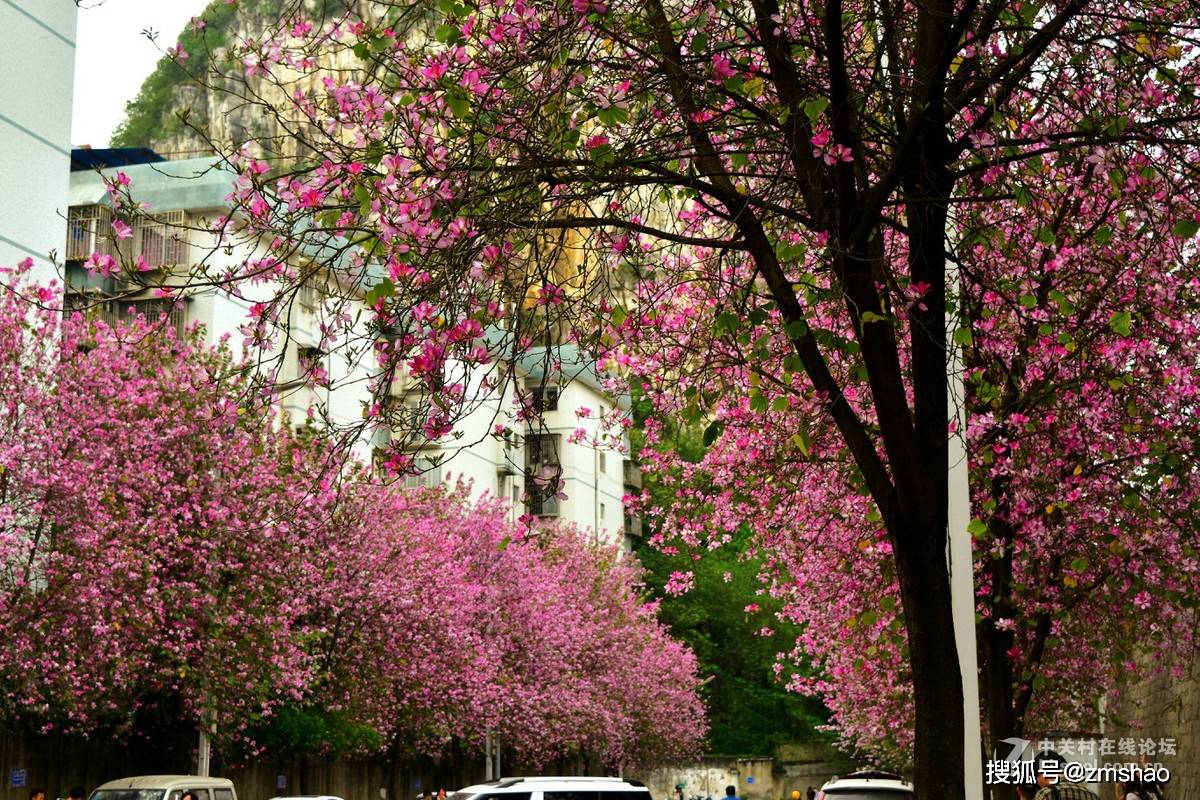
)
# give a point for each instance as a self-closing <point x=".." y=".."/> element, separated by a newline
<point x="114" y="312"/>
<point x="161" y="239"/>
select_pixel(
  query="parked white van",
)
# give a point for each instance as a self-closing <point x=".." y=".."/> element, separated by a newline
<point x="555" y="788"/>
<point x="165" y="787"/>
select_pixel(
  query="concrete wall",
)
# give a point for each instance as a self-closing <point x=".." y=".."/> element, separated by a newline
<point x="37" y="61"/>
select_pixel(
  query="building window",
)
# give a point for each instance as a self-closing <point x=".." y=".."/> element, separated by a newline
<point x="543" y="474"/>
<point x="88" y="231"/>
<point x="429" y="472"/>
<point x="161" y="239"/>
<point x="158" y="313"/>
<point x="542" y="496"/>
<point x="541" y="449"/>
<point x="603" y="463"/>
<point x="543" y="396"/>
<point x="308" y="297"/>
<point x="309" y="357"/>
<point x="603" y="513"/>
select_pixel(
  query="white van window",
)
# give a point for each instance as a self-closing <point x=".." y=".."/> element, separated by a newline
<point x="128" y="794"/>
<point x="223" y="794"/>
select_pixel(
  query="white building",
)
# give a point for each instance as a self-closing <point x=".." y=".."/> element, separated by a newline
<point x="568" y="444"/>
<point x="38" y="64"/>
<point x="185" y="196"/>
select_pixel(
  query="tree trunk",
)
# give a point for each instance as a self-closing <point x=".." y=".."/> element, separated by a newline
<point x="936" y="677"/>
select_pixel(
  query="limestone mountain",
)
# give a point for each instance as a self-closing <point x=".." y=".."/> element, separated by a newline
<point x="181" y="109"/>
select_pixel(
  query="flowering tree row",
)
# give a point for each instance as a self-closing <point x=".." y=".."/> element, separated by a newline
<point x="165" y="542"/>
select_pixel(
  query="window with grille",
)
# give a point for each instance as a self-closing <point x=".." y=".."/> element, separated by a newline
<point x="543" y="473"/>
<point x="308" y="298"/>
<point x="541" y="449"/>
<point x="88" y="229"/>
<point x="543" y="397"/>
<point x="430" y="474"/>
<point x="161" y="239"/>
<point x="541" y="497"/>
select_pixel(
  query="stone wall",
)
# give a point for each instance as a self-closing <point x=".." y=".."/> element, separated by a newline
<point x="794" y="768"/>
<point x="1165" y="707"/>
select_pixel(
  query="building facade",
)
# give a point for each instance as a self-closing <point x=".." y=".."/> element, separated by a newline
<point x="564" y="466"/>
<point x="38" y="63"/>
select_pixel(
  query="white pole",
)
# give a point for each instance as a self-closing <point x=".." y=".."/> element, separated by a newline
<point x="958" y="550"/>
<point x="203" y="754"/>
<point x="487" y="759"/>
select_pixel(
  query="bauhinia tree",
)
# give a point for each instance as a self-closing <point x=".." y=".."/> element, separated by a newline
<point x="165" y="544"/>
<point x="1081" y="368"/>
<point x="152" y="526"/>
<point x="809" y="168"/>
<point x="442" y="620"/>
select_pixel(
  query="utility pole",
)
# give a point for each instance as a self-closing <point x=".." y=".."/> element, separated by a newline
<point x="959" y="558"/>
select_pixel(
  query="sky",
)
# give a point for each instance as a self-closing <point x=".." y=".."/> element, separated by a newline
<point x="112" y="58"/>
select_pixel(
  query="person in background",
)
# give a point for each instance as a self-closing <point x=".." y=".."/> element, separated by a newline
<point x="1136" y="790"/>
<point x="37" y="794"/>
<point x="812" y="794"/>
<point x="1053" y="786"/>
<point x="731" y="793"/>
<point x="76" y="793"/>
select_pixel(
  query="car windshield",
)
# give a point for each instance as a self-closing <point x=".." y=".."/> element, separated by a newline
<point x="127" y="794"/>
<point x="869" y="794"/>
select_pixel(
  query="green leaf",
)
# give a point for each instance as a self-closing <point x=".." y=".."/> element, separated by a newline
<point x="1079" y="564"/>
<point x="801" y="441"/>
<point x="815" y="107"/>
<point x="780" y="404"/>
<point x="1046" y="236"/>
<point x="962" y="337"/>
<point x="383" y="289"/>
<point x="977" y="528"/>
<point x="1028" y="300"/>
<point x="1121" y="322"/>
<point x="1186" y="228"/>
<point x="727" y="322"/>
<point x="871" y="316"/>
<point x="459" y="104"/>
<point x="758" y="401"/>
<point x="448" y="34"/>
<point x="1103" y="234"/>
<point x="796" y="329"/>
<point x="713" y="432"/>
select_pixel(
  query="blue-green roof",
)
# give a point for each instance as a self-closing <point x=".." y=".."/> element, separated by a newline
<point x="195" y="184"/>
